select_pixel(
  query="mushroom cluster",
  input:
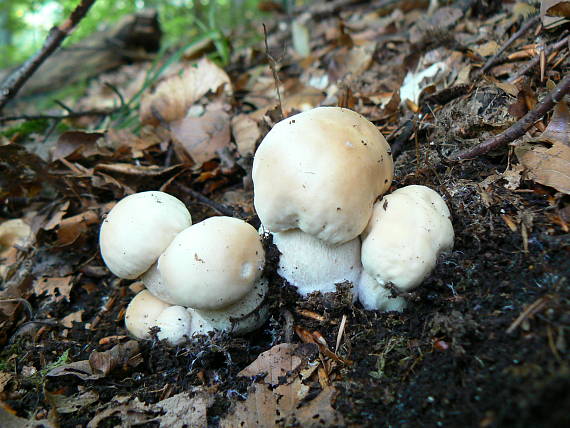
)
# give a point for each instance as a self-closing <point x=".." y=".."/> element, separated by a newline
<point x="198" y="278"/>
<point x="317" y="176"/>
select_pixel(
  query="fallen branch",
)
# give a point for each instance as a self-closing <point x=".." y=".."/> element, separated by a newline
<point x="54" y="39"/>
<point x="216" y="206"/>
<point x="71" y="114"/>
<point x="520" y="127"/>
<point x="495" y="58"/>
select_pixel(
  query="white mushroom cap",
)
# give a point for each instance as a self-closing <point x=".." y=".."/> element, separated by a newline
<point x="408" y="230"/>
<point x="154" y="283"/>
<point x="321" y="171"/>
<point x="243" y="317"/>
<point x="313" y="265"/>
<point x="142" y="314"/>
<point x="138" y="229"/>
<point x="212" y="264"/>
<point x="175" y="324"/>
<point x="374" y="296"/>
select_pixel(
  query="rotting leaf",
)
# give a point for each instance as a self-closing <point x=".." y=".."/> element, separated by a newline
<point x="73" y="403"/>
<point x="178" y="411"/>
<point x="550" y="165"/>
<point x="282" y="399"/>
<point x="202" y="137"/>
<point x="73" y="143"/>
<point x="10" y="420"/>
<point x="72" y="228"/>
<point x="173" y="96"/>
<point x="58" y="288"/>
<point x="246" y="134"/>
<point x="104" y="362"/>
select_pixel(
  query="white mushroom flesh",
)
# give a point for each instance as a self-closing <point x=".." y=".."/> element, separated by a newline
<point x="374" y="296"/>
<point x="142" y="313"/>
<point x="175" y="324"/>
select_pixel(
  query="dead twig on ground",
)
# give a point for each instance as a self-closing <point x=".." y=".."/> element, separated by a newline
<point x="496" y="58"/>
<point x="534" y="62"/>
<point x="520" y="127"/>
<point x="272" y="63"/>
<point x="70" y="115"/>
<point x="216" y="206"/>
<point x="532" y="309"/>
<point x="54" y="39"/>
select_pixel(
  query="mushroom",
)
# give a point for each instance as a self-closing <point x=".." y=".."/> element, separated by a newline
<point x="147" y="311"/>
<point x="242" y="317"/>
<point x="211" y="265"/>
<point x="320" y="171"/>
<point x="313" y="265"/>
<point x="316" y="176"/>
<point x="138" y="229"/>
<point x="408" y="230"/>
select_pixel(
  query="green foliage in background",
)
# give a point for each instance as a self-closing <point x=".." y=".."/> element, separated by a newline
<point x="24" y="24"/>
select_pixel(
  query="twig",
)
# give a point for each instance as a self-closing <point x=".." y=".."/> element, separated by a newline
<point x="519" y="128"/>
<point x="495" y="58"/>
<point x="59" y="116"/>
<point x="533" y="62"/>
<point x="532" y="309"/>
<point x="54" y="39"/>
<point x="272" y="63"/>
<point x="216" y="206"/>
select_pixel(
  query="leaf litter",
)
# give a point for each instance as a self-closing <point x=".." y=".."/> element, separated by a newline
<point x="451" y="359"/>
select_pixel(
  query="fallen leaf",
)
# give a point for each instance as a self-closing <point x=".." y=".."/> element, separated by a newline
<point x="553" y="12"/>
<point x="68" y="320"/>
<point x="487" y="49"/>
<point x="5" y="379"/>
<point x="74" y="143"/>
<point x="282" y="398"/>
<point x="550" y="165"/>
<point x="182" y="410"/>
<point x="73" y="403"/>
<point x="246" y="134"/>
<point x="104" y="362"/>
<point x="58" y="288"/>
<point x="10" y="420"/>
<point x="173" y="96"/>
<point x="81" y="369"/>
<point x="72" y="228"/>
<point x="137" y="170"/>
<point x="203" y="137"/>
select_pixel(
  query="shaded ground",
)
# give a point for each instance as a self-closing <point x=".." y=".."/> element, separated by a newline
<point x="483" y="342"/>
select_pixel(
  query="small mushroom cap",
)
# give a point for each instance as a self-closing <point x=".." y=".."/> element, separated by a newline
<point x="245" y="316"/>
<point x="175" y="324"/>
<point x="321" y="171"/>
<point x="138" y="229"/>
<point x="374" y="296"/>
<point x="142" y="314"/>
<point x="212" y="264"/>
<point x="313" y="265"/>
<point x="154" y="283"/>
<point x="408" y="230"/>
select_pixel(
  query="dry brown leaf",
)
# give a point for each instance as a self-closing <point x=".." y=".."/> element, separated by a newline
<point x="137" y="170"/>
<point x="68" y="320"/>
<point x="287" y="404"/>
<point x="82" y="369"/>
<point x="202" y="137"/>
<point x="487" y="49"/>
<point x="555" y="8"/>
<point x="246" y="134"/>
<point x="74" y="143"/>
<point x="181" y="410"/>
<point x="58" y="288"/>
<point x="73" y="227"/>
<point x="73" y="403"/>
<point x="10" y="420"/>
<point x="173" y="96"/>
<point x="104" y="362"/>
<point x="550" y="165"/>
<point x="276" y="362"/>
<point x="5" y="379"/>
<point x="56" y="217"/>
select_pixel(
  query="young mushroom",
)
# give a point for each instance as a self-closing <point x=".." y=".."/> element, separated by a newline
<point x="146" y="311"/>
<point x="316" y="176"/>
<point x="138" y="229"/>
<point x="408" y="230"/>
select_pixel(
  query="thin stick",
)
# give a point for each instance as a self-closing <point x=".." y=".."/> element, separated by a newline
<point x="54" y="39"/>
<point x="519" y="128"/>
<point x="495" y="58"/>
<point x="272" y="63"/>
<point x="59" y="116"/>
<point x="533" y="62"/>
<point x="216" y="206"/>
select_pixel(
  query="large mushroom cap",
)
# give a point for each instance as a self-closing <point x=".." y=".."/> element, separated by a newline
<point x="321" y="171"/>
<point x="138" y="229"/>
<point x="212" y="264"/>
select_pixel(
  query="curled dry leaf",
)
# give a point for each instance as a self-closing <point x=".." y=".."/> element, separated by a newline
<point x="204" y="136"/>
<point x="122" y="354"/>
<point x="173" y="96"/>
<point x="550" y="165"/>
<point x="246" y="134"/>
<point x="72" y="144"/>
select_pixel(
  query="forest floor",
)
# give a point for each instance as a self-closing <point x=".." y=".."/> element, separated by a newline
<point x="484" y="340"/>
